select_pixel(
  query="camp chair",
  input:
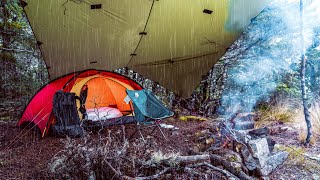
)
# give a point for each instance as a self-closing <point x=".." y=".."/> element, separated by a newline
<point x="148" y="111"/>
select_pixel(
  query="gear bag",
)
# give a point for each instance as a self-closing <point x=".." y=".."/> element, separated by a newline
<point x="66" y="115"/>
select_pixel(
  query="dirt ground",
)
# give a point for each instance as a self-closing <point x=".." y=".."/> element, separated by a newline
<point x="297" y="166"/>
<point x="22" y="156"/>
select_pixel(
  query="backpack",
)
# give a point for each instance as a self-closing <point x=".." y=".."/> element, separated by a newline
<point x="66" y="115"/>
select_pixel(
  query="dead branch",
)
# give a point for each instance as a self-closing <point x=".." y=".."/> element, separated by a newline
<point x="312" y="158"/>
<point x="212" y="149"/>
<point x="17" y="50"/>
<point x="119" y="174"/>
<point x="193" y="171"/>
<point x="192" y="159"/>
<point x="178" y="160"/>
<point x="217" y="160"/>
<point x="156" y="176"/>
<point x="222" y="171"/>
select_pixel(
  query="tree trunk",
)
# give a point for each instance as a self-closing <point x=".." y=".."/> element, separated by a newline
<point x="5" y="35"/>
<point x="303" y="78"/>
<point x="8" y="61"/>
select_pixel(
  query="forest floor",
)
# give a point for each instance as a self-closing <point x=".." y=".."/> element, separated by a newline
<point x="22" y="156"/>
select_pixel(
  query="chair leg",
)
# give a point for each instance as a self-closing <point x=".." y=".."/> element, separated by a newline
<point x="141" y="135"/>
<point x="138" y="129"/>
<point x="157" y="124"/>
<point x="135" y="132"/>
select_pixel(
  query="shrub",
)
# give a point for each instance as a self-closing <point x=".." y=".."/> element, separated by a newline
<point x="281" y="111"/>
<point x="107" y="158"/>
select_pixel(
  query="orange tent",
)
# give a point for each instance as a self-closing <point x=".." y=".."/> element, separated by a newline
<point x="105" y="89"/>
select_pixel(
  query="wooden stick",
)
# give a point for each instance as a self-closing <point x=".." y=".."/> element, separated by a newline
<point x="192" y="159"/>
<point x="222" y="171"/>
<point x="217" y="160"/>
<point x="119" y="174"/>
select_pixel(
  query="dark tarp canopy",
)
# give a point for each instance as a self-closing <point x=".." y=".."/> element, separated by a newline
<point x="172" y="42"/>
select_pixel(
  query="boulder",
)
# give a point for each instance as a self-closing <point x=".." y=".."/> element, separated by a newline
<point x="273" y="162"/>
<point x="243" y="121"/>
<point x="260" y="150"/>
<point x="243" y="125"/>
<point x="250" y="162"/>
<point x="261" y="132"/>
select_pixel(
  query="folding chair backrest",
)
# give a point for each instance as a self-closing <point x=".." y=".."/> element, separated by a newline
<point x="145" y="104"/>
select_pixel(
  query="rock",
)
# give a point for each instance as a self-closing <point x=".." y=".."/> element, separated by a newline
<point x="315" y="176"/>
<point x="250" y="162"/>
<point x="242" y="121"/>
<point x="262" y="133"/>
<point x="243" y="136"/>
<point x="271" y="143"/>
<point x="278" y="130"/>
<point x="273" y="162"/>
<point x="260" y="150"/>
<point x="243" y="125"/>
<point x="244" y="117"/>
<point x="259" y="132"/>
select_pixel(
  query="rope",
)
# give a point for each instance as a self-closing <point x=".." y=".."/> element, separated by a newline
<point x="17" y="137"/>
<point x="144" y="29"/>
<point x="74" y="1"/>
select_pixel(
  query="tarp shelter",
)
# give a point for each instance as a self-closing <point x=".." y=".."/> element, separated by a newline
<point x="105" y="90"/>
<point x="172" y="42"/>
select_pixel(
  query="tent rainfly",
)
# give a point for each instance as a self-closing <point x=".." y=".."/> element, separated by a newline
<point x="172" y="42"/>
<point x="106" y="92"/>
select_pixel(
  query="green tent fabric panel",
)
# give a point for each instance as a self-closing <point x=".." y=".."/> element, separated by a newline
<point x="147" y="105"/>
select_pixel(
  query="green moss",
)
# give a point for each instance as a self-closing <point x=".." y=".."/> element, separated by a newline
<point x="233" y="159"/>
<point x="5" y="118"/>
<point x="191" y="118"/>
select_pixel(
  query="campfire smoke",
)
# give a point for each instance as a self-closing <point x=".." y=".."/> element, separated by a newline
<point x="268" y="50"/>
